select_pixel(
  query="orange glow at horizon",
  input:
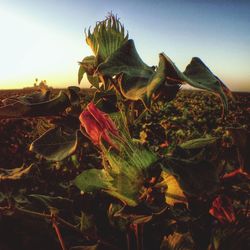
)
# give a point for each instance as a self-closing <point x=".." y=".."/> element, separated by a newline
<point x="29" y="50"/>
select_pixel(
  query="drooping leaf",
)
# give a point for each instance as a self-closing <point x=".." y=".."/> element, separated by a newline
<point x="107" y="36"/>
<point x="198" y="143"/>
<point x="125" y="60"/>
<point x="94" y="81"/>
<point x="200" y="76"/>
<point x="137" y="80"/>
<point x="142" y="88"/>
<point x="81" y="72"/>
<point x="47" y="108"/>
<point x="88" y="66"/>
<point x="55" y="145"/>
<point x="140" y="82"/>
<point x="15" y="173"/>
<point x="194" y="177"/>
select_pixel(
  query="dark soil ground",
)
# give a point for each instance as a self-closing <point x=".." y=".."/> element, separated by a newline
<point x="191" y="115"/>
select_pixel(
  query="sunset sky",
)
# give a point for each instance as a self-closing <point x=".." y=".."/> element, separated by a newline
<point x="45" y="39"/>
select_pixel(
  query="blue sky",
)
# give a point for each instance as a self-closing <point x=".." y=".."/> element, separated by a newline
<point x="45" y="39"/>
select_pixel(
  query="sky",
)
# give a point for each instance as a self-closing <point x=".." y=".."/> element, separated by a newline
<point x="45" y="39"/>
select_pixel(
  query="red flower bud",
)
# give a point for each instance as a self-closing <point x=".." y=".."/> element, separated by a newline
<point x="98" y="125"/>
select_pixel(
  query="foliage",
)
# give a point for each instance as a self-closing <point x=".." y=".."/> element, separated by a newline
<point x="136" y="163"/>
<point x="121" y="67"/>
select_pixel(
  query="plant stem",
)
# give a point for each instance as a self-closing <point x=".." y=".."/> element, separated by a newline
<point x="58" y="233"/>
<point x="61" y="221"/>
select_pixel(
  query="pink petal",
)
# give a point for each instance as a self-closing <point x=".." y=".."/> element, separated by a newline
<point x="91" y="126"/>
<point x="102" y="118"/>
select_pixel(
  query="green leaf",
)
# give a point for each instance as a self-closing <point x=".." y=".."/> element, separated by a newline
<point x="198" y="143"/>
<point x="125" y="168"/>
<point x="54" y="145"/>
<point x="94" y="81"/>
<point x="137" y="80"/>
<point x="92" y="180"/>
<point x="81" y="72"/>
<point x="125" y="60"/>
<point x="140" y="82"/>
<point x="47" y="108"/>
<point x="194" y="177"/>
<point x="129" y="172"/>
<point x="124" y="177"/>
<point x="141" y="88"/>
<point x="200" y="76"/>
<point x="88" y="66"/>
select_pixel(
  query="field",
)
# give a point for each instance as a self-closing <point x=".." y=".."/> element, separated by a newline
<point x="47" y="185"/>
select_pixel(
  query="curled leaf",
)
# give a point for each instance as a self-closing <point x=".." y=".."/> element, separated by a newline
<point x="25" y="109"/>
<point x="15" y="173"/>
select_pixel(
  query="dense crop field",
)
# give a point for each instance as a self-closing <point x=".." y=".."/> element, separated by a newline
<point x="191" y="115"/>
<point x="47" y="185"/>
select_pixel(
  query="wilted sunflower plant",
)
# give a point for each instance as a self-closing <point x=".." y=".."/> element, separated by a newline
<point x="153" y="200"/>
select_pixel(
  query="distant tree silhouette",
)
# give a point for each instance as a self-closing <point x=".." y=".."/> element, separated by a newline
<point x="42" y="85"/>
